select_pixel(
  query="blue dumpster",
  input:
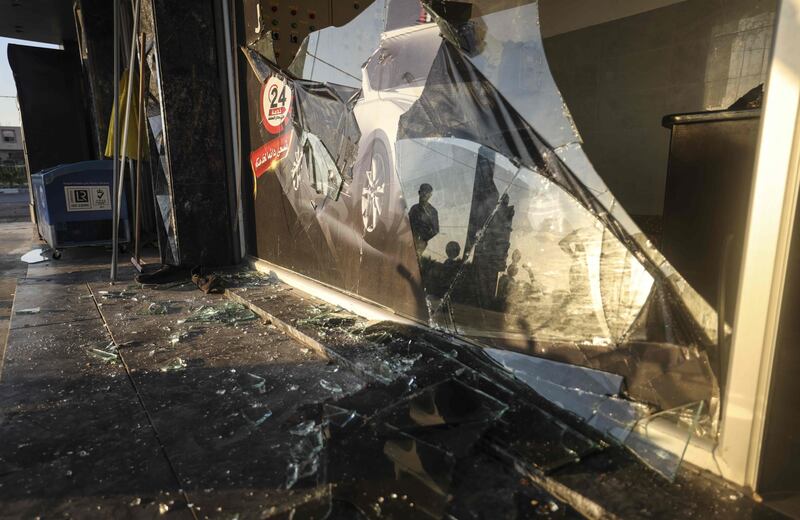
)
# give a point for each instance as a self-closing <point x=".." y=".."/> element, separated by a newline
<point x="73" y="205"/>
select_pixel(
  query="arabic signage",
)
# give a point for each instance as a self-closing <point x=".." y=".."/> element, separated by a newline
<point x="267" y="156"/>
<point x="276" y="107"/>
<point x="276" y="104"/>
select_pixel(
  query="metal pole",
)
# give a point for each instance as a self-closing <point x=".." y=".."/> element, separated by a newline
<point x="137" y="248"/>
<point x="115" y="144"/>
<point x="121" y="181"/>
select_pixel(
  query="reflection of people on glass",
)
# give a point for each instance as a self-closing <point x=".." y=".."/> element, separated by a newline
<point x="573" y="244"/>
<point x="491" y="251"/>
<point x="452" y="249"/>
<point x="506" y="285"/>
<point x="516" y="260"/>
<point x="424" y="219"/>
<point x="512" y="292"/>
<point x="579" y="306"/>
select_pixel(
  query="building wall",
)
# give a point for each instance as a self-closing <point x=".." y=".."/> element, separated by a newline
<point x="12" y="157"/>
<point x="621" y="77"/>
<point x="10" y="140"/>
<point x="192" y="96"/>
<point x="560" y="16"/>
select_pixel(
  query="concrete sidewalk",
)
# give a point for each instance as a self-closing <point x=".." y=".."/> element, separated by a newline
<point x="15" y="240"/>
<point x="130" y="402"/>
<point x="112" y="409"/>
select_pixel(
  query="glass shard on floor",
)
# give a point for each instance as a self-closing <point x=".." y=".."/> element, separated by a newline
<point x="228" y="313"/>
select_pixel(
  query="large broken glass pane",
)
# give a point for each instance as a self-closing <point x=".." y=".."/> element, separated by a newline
<point x="502" y="41"/>
<point x="526" y="367"/>
<point x="658" y="439"/>
<point x="539" y="440"/>
<point x="449" y="403"/>
<point x="661" y="439"/>
<point x="390" y="475"/>
<point x="158" y="160"/>
<point x="596" y="283"/>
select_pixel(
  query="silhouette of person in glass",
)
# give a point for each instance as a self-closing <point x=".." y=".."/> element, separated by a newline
<point x="506" y="286"/>
<point x="491" y="252"/>
<point x="452" y="249"/>
<point x="424" y="219"/>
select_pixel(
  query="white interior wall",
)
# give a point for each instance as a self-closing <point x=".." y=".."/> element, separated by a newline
<point x="620" y="77"/>
<point x="561" y="16"/>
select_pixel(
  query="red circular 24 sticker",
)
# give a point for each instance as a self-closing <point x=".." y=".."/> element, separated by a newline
<point x="276" y="104"/>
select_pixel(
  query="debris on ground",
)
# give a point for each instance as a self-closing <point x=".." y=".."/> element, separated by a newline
<point x="174" y="365"/>
<point x="125" y="293"/>
<point x="177" y="337"/>
<point x="36" y="255"/>
<point x="247" y="278"/>
<point x="393" y="421"/>
<point x="156" y="308"/>
<point x="329" y="386"/>
<point x="327" y="317"/>
<point x="257" y="383"/>
<point x="208" y="283"/>
<point x="304" y="455"/>
<point x="227" y="312"/>
<point x="258" y="422"/>
<point x="108" y="353"/>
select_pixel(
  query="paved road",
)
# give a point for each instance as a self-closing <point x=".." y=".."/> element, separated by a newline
<point x="14" y="206"/>
<point x="15" y="240"/>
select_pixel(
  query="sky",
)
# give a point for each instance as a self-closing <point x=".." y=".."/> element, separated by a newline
<point x="9" y="113"/>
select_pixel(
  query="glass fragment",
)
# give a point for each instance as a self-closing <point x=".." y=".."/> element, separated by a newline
<point x="227" y="312"/>
<point x="108" y="353"/>
<point x="330" y="386"/>
<point x="305" y="453"/>
<point x="156" y="308"/>
<point x="175" y="365"/>
<point x="661" y="439"/>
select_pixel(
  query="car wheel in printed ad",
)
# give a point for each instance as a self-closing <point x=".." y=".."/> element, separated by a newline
<point x="381" y="214"/>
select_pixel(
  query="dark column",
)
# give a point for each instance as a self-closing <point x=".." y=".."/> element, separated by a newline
<point x="193" y="96"/>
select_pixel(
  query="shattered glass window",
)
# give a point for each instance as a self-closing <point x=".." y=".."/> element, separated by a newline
<point x="430" y="165"/>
